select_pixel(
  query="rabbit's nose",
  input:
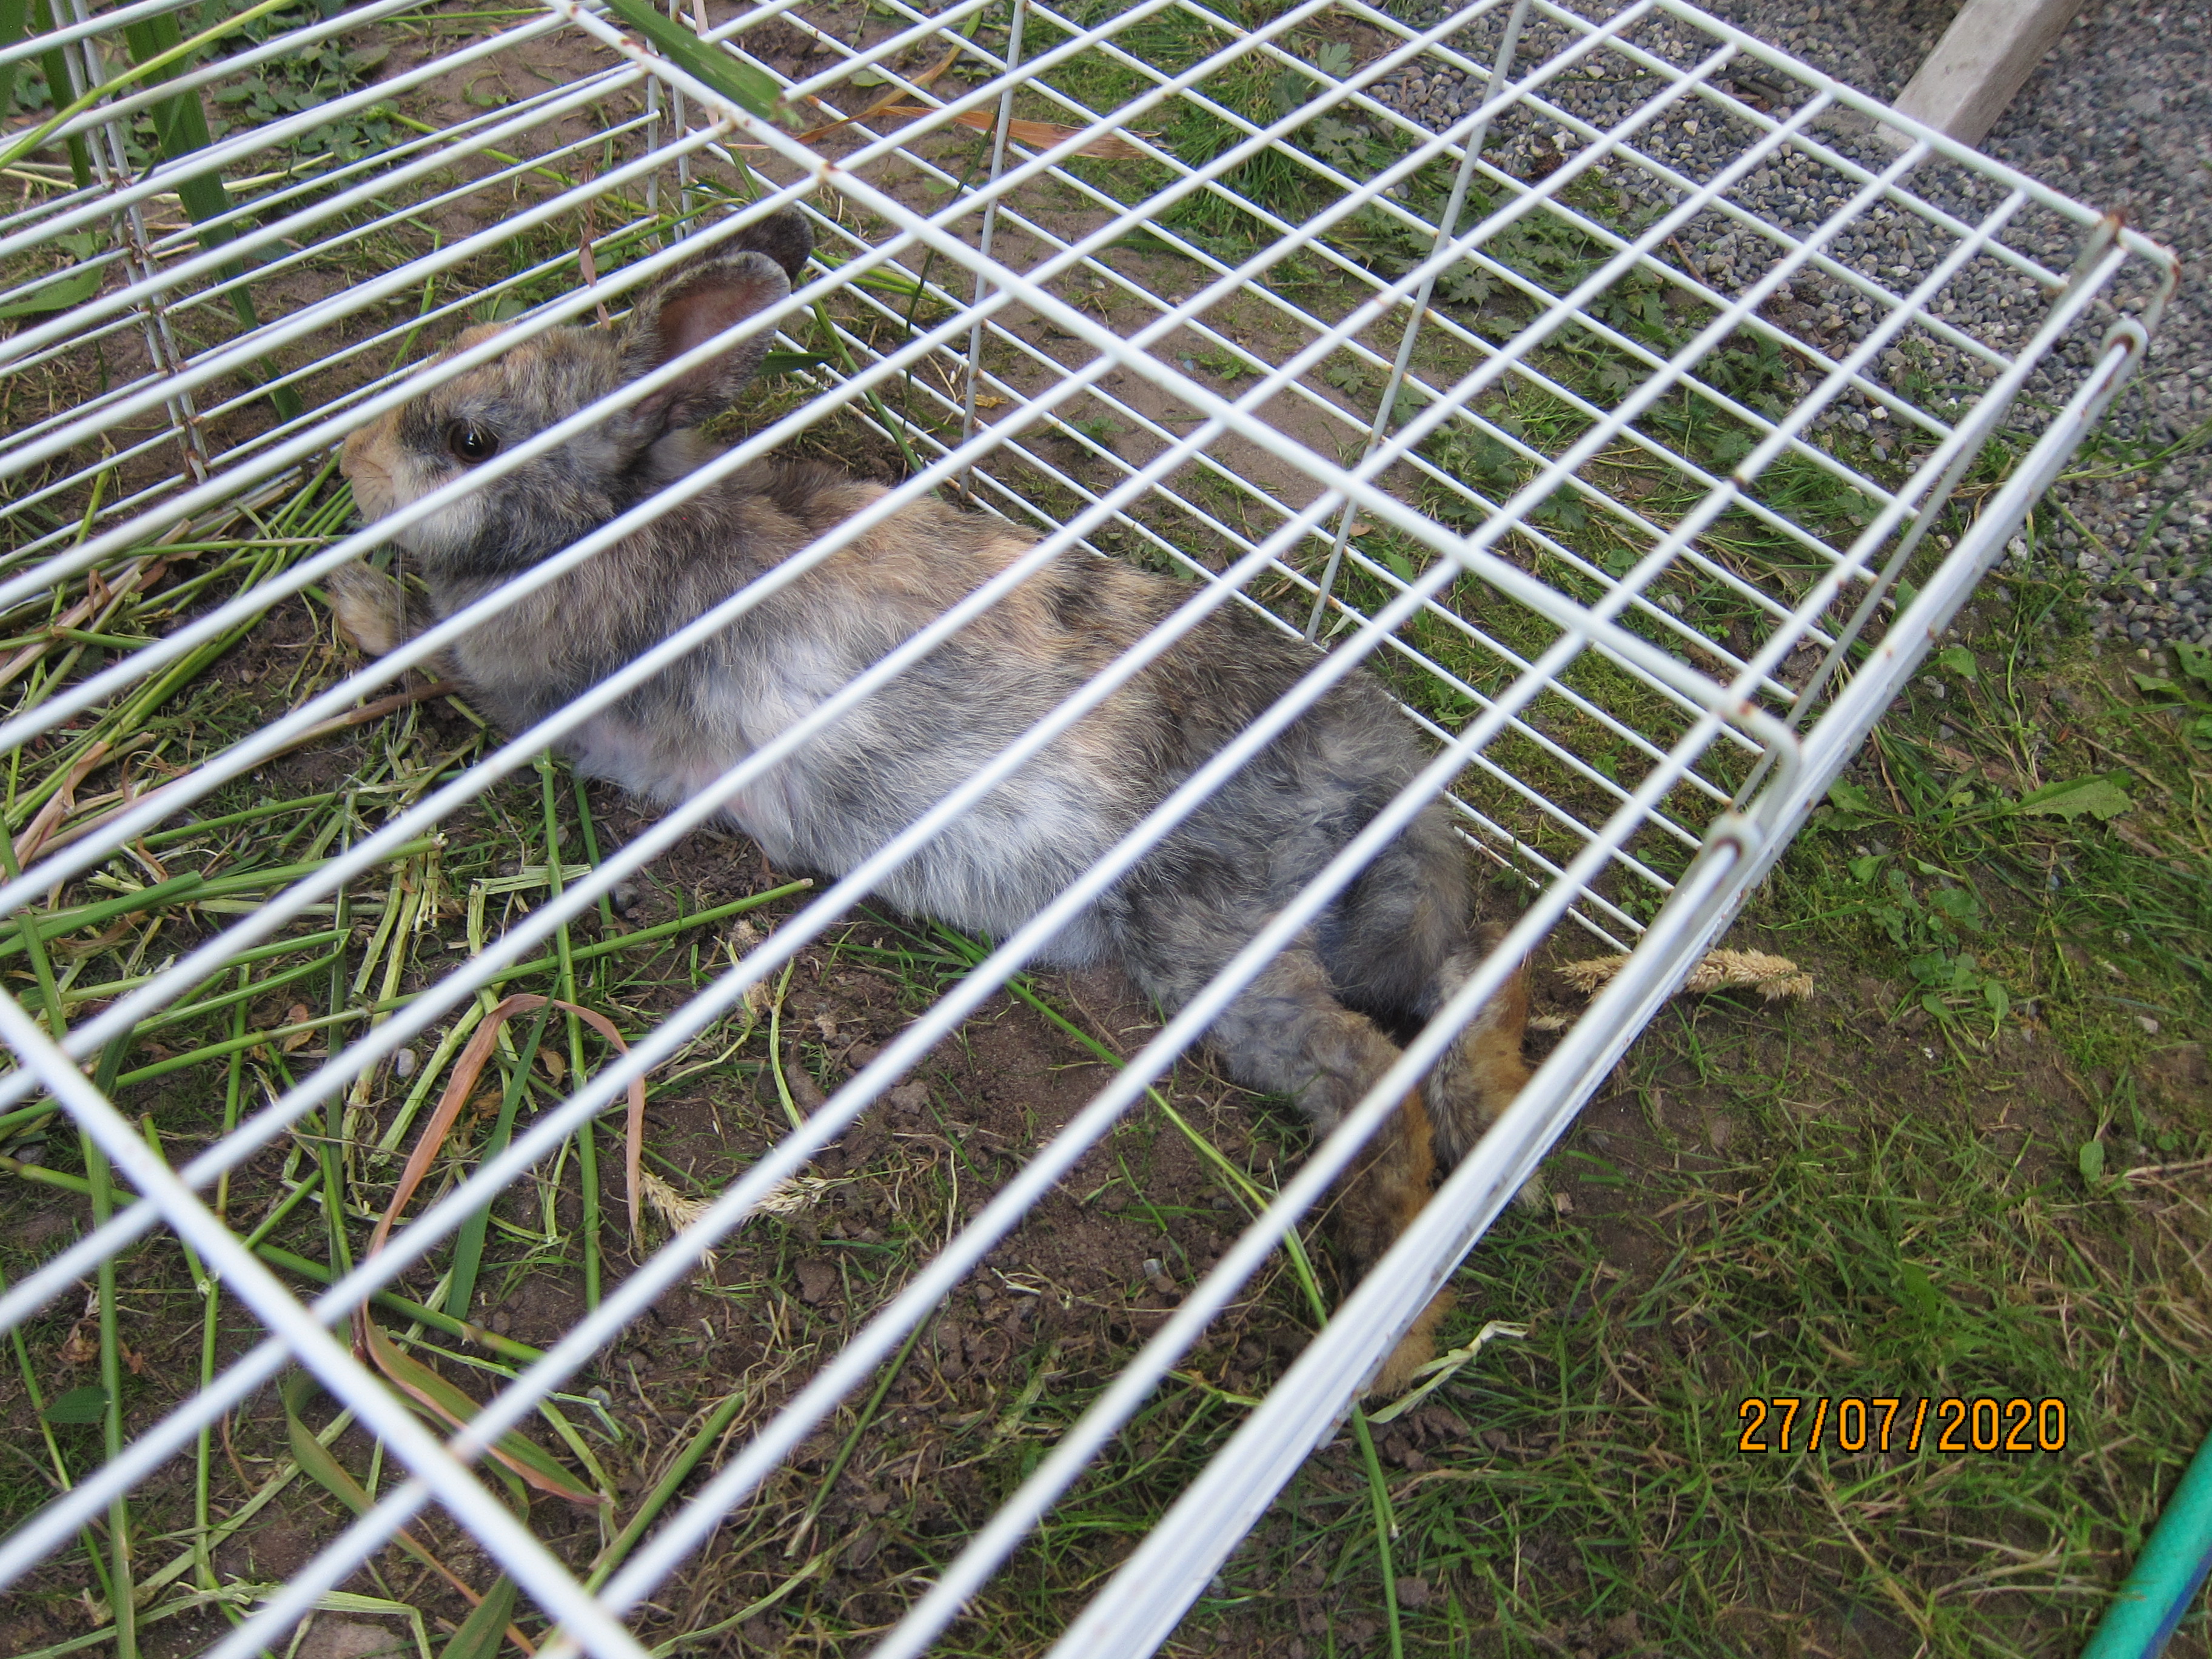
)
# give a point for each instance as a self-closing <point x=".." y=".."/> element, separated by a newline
<point x="372" y="493"/>
<point x="366" y="469"/>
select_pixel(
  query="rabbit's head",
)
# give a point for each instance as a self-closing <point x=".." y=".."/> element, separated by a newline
<point x="516" y="520"/>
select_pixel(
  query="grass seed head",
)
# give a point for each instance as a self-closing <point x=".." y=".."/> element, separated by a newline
<point x="1773" y="977"/>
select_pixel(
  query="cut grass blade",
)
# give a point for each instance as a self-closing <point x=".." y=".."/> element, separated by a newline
<point x="453" y="1407"/>
<point x="115" y="1574"/>
<point x="1386" y="1529"/>
<point x="124" y="1599"/>
<point x="212" y="1294"/>
<point x="63" y="801"/>
<point x="1440" y="1370"/>
<point x="752" y="1610"/>
<point x="829" y="1480"/>
<point x="775" y="1050"/>
<point x="752" y="90"/>
<point x="34" y="1396"/>
<point x="437" y="1319"/>
<point x="417" y="1381"/>
<point x="1037" y="135"/>
<point x="320" y="1464"/>
<point x="315" y="733"/>
<point x="479" y="1637"/>
<point x="189" y="889"/>
<point x="884" y="102"/>
<point x="468" y="1240"/>
<point x="659" y="931"/>
<point x="673" y="1476"/>
<point x="587" y="1138"/>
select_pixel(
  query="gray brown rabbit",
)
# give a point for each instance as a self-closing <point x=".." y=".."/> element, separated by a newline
<point x="1383" y="957"/>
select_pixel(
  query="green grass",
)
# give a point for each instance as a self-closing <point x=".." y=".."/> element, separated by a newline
<point x="1857" y="1197"/>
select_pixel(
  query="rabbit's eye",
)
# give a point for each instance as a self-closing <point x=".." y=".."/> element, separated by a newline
<point x="471" y="443"/>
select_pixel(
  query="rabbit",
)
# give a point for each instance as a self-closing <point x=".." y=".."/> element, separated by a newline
<point x="1312" y="1026"/>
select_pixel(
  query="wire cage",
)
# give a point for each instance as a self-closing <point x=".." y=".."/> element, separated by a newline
<point x="1635" y="402"/>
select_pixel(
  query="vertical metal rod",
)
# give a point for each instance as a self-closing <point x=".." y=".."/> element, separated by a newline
<point x="1447" y="227"/>
<point x="983" y="239"/>
<point x="652" y="144"/>
<point x="111" y="166"/>
<point x="682" y="115"/>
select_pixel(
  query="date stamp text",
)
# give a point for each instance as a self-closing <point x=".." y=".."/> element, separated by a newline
<point x="1986" y="1423"/>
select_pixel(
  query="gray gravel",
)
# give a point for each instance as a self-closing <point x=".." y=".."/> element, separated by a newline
<point x="2119" y="115"/>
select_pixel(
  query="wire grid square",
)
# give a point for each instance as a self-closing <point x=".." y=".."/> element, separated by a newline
<point x="1606" y="450"/>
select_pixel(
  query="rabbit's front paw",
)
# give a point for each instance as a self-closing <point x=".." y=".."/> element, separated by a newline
<point x="368" y="607"/>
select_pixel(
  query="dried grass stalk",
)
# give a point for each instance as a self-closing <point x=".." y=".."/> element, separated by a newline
<point x="676" y="1211"/>
<point x="884" y="101"/>
<point x="1037" y="135"/>
<point x="795" y="1194"/>
<point x="1772" y="977"/>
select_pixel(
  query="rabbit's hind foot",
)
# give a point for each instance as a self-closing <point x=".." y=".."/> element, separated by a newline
<point x="1402" y="1365"/>
<point x="1376" y="1202"/>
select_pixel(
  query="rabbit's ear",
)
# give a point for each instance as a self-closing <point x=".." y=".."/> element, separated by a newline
<point x="689" y="310"/>
<point x="784" y="235"/>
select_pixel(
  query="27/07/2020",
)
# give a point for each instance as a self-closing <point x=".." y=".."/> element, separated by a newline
<point x="1984" y="1423"/>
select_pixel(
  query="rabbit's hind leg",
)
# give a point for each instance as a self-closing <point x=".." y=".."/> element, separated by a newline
<point x="1386" y="943"/>
<point x="1286" y="1033"/>
<point x="1483" y="1069"/>
<point x="1400" y="945"/>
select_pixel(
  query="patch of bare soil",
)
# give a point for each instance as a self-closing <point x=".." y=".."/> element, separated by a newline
<point x="1091" y="1272"/>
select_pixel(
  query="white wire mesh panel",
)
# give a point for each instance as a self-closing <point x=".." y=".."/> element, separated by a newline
<point x="1610" y="391"/>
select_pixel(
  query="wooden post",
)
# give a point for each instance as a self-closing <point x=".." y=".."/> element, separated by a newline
<point x="1982" y="59"/>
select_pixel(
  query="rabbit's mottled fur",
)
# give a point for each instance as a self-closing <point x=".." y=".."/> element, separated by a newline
<point x="1383" y="955"/>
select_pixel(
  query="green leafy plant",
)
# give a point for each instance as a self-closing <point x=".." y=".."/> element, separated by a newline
<point x="1345" y="375"/>
<point x="2190" y="696"/>
<point x="1288" y="90"/>
<point x="1563" y="510"/>
<point x="1476" y="459"/>
<point x="1930" y="919"/>
<point x="1464" y="285"/>
<point x="88" y="1404"/>
<point x="2101" y="798"/>
<point x="1226" y="364"/>
<point x="1344" y="145"/>
<point x="1751" y="370"/>
<point x="1636" y="305"/>
<point x="306" y="80"/>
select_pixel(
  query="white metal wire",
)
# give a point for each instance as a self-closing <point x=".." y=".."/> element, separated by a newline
<point x="1515" y="634"/>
